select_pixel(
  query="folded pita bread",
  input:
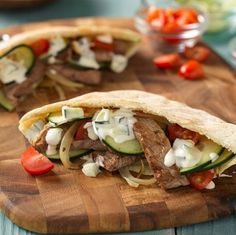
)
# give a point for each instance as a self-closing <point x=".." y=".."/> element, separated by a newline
<point x="196" y="120"/>
<point x="66" y="70"/>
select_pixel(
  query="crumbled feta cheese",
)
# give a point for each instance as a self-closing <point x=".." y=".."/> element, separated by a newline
<point x="87" y="58"/>
<point x="91" y="169"/>
<point x="88" y="62"/>
<point x="56" y="45"/>
<point x="12" y="71"/>
<point x="118" y="63"/>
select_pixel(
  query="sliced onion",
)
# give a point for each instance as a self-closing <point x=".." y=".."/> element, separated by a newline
<point x="219" y="170"/>
<point x="133" y="181"/>
<point x="141" y="169"/>
<point x="52" y="84"/>
<point x="52" y="74"/>
<point x="60" y="92"/>
<point x="65" y="147"/>
<point x="136" y="168"/>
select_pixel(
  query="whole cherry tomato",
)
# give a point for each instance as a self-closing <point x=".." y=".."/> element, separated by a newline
<point x="40" y="46"/>
<point x="200" y="180"/>
<point x="191" y="70"/>
<point x="198" y="53"/>
<point x="176" y="131"/>
<point x="167" y="61"/>
<point x="82" y="132"/>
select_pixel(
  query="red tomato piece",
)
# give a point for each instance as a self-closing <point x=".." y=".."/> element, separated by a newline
<point x="185" y="20"/>
<point x="40" y="46"/>
<point x="170" y="27"/>
<point x="155" y="13"/>
<point x="34" y="162"/>
<point x="200" y="180"/>
<point x="171" y="20"/>
<point x="172" y="40"/>
<point x="198" y="53"/>
<point x="185" y="16"/>
<point x="191" y="70"/>
<point x="167" y="61"/>
<point x="176" y="131"/>
<point x="82" y="133"/>
<point x="102" y="45"/>
<point x="158" y="23"/>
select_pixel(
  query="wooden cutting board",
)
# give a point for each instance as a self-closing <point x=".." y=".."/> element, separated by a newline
<point x="65" y="201"/>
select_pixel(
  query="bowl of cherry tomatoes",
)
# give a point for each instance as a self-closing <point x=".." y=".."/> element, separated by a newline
<point x="173" y="28"/>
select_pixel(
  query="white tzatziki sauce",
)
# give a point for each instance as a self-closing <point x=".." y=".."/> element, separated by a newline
<point x="183" y="153"/>
<point x="53" y="138"/>
<point x="116" y="124"/>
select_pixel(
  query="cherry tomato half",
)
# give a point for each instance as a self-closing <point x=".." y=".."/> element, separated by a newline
<point x="171" y="20"/>
<point x="82" y="133"/>
<point x="198" y="53"/>
<point x="35" y="163"/>
<point x="40" y="46"/>
<point x="102" y="45"/>
<point x="191" y="70"/>
<point x="185" y="16"/>
<point x="200" y="180"/>
<point x="167" y="61"/>
<point x="156" y="14"/>
<point x="176" y="131"/>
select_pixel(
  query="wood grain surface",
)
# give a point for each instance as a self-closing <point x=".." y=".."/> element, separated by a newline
<point x="65" y="201"/>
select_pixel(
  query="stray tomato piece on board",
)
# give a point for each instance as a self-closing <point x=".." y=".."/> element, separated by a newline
<point x="191" y="70"/>
<point x="198" y="53"/>
<point x="167" y="61"/>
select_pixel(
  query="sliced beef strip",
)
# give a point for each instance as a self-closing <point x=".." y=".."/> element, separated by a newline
<point x="41" y="144"/>
<point x="64" y="55"/>
<point x="121" y="46"/>
<point x="89" y="144"/>
<point x="113" y="161"/>
<point x="15" y="91"/>
<point x="155" y="145"/>
<point x="102" y="55"/>
<point x="90" y="77"/>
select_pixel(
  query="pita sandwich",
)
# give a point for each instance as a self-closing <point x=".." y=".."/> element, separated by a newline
<point x="135" y="133"/>
<point x="68" y="56"/>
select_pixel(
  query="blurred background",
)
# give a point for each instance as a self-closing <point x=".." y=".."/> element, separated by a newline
<point x="220" y="34"/>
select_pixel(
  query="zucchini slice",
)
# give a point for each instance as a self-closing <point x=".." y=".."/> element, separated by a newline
<point x="71" y="113"/>
<point x="102" y="65"/>
<point x="5" y="102"/>
<point x="208" y="147"/>
<point x="225" y="156"/>
<point x="72" y="154"/>
<point x="129" y="147"/>
<point x="57" y="119"/>
<point x="22" y="53"/>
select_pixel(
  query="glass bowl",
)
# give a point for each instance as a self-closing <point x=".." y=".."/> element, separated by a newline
<point x="176" y="40"/>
